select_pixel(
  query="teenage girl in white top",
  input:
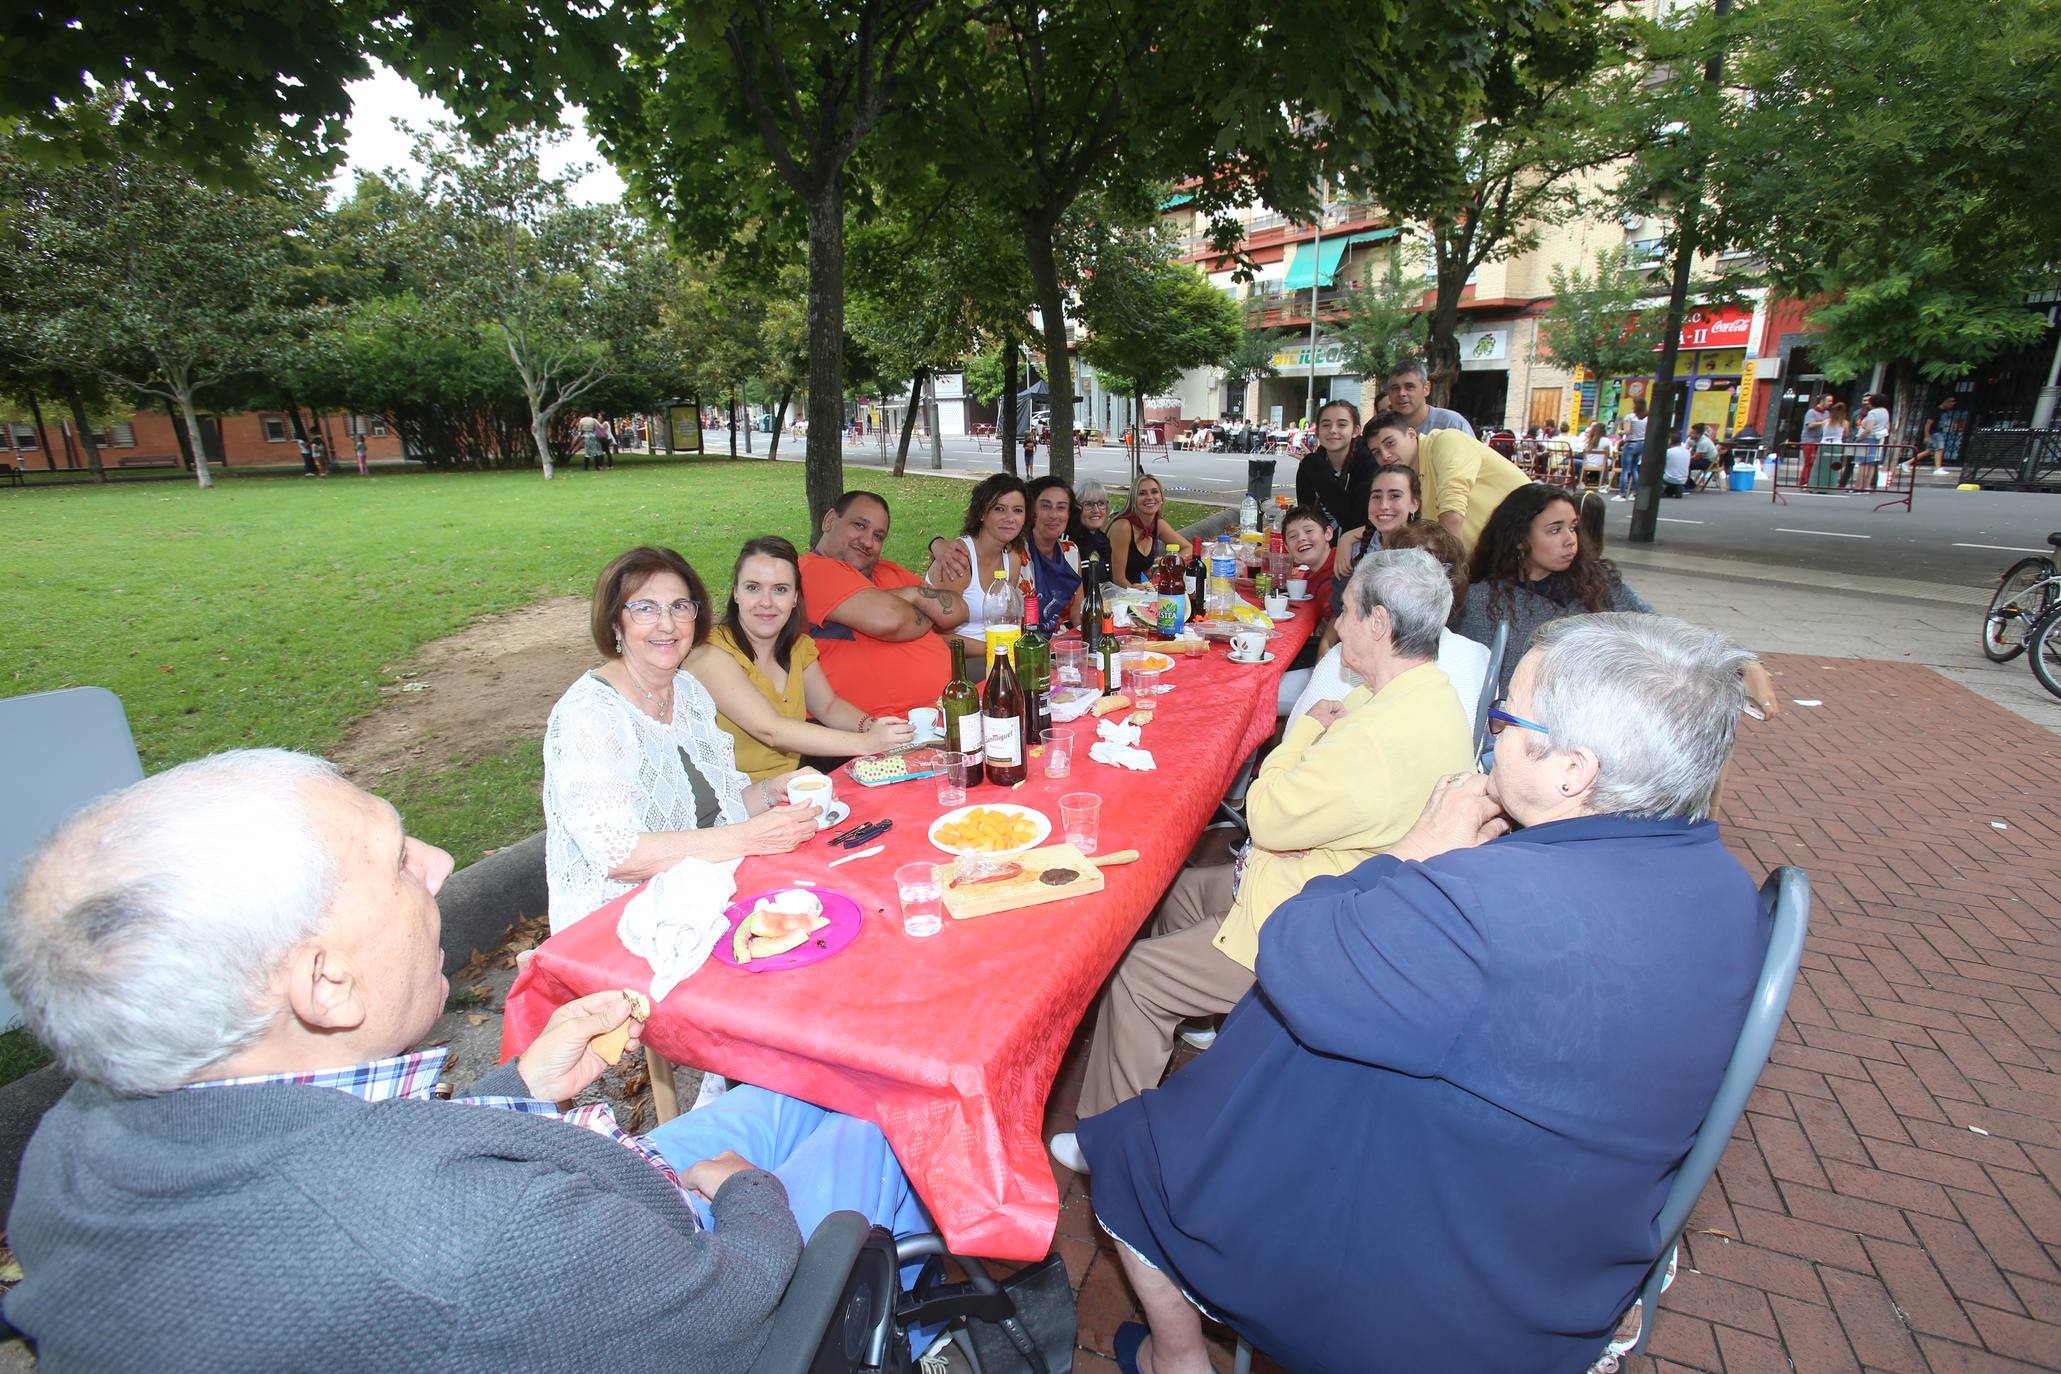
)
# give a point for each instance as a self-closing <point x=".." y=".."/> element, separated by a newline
<point x="992" y="536"/>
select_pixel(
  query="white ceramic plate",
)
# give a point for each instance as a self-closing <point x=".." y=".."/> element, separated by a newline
<point x="1041" y="823"/>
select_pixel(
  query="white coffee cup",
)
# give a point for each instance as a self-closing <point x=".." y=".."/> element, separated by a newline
<point x="1247" y="646"/>
<point x="925" y="719"/>
<point x="813" y="789"/>
<point x="1277" y="604"/>
<point x="1298" y="588"/>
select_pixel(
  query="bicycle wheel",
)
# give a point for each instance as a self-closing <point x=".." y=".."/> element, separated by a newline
<point x="2019" y="604"/>
<point x="2045" y="643"/>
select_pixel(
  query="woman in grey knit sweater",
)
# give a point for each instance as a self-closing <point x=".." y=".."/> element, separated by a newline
<point x="1532" y="565"/>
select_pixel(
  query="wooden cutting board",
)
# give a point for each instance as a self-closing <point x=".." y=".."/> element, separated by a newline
<point x="1027" y="888"/>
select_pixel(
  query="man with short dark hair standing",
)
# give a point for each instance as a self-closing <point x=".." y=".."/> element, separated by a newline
<point x="1409" y="395"/>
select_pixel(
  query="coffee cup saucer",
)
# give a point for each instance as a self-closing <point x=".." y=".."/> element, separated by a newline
<point x="1267" y="657"/>
<point x="834" y="814"/>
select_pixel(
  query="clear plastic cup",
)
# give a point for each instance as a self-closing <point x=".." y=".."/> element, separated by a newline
<point x="922" y="901"/>
<point x="955" y="770"/>
<point x="1080" y="816"/>
<point x="1058" y="746"/>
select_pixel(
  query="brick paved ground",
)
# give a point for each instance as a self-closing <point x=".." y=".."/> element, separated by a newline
<point x="1890" y="1201"/>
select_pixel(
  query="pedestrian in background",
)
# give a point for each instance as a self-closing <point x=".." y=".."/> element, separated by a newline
<point x="1632" y="428"/>
<point x="1814" y="436"/>
<point x="358" y="443"/>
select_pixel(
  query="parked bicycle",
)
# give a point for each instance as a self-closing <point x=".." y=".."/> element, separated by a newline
<point x="2026" y="614"/>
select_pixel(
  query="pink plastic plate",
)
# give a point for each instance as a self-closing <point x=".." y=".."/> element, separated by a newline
<point x="842" y="912"/>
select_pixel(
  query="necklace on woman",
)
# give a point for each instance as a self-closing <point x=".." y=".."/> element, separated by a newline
<point x="657" y="706"/>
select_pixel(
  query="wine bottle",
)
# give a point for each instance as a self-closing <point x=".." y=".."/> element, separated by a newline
<point x="1001" y="722"/>
<point x="1196" y="575"/>
<point x="961" y="704"/>
<point x="1034" y="669"/>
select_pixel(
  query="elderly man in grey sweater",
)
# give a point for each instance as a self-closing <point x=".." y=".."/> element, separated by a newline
<point x="233" y="959"/>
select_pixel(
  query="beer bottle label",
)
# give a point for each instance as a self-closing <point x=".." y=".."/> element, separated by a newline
<point x="1004" y="738"/>
<point x="968" y="741"/>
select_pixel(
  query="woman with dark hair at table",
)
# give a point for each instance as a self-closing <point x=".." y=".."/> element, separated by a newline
<point x="990" y="542"/>
<point x="1462" y="1016"/>
<point x="760" y="666"/>
<point x="1335" y="476"/>
<point x="1055" y="560"/>
<point x="1534" y="565"/>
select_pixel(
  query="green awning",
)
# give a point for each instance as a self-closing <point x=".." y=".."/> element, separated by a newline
<point x="1307" y="270"/>
<point x="1372" y="236"/>
<point x="1176" y="200"/>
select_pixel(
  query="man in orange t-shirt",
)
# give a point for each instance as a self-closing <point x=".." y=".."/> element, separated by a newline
<point x="876" y="624"/>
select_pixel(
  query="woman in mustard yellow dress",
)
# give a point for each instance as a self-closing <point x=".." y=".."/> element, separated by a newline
<point x="760" y="666"/>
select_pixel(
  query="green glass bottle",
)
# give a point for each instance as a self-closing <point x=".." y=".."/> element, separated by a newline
<point x="961" y="704"/>
<point x="1034" y="668"/>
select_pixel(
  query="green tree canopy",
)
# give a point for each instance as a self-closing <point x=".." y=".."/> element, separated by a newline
<point x="1600" y="323"/>
<point x="1150" y="320"/>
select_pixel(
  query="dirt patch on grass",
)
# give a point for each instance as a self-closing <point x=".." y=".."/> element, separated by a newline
<point x="473" y="693"/>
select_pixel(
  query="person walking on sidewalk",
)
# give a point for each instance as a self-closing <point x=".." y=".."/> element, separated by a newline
<point x="1631" y="429"/>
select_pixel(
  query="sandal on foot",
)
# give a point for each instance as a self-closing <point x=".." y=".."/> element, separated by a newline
<point x="1129" y="1340"/>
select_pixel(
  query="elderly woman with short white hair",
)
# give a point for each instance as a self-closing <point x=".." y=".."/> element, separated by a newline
<point x="1510" y="1024"/>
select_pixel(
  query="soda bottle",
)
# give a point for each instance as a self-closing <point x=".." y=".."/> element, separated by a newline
<point x="994" y="615"/>
<point x="1001" y="722"/>
<point x="961" y="704"/>
<point x="1170" y="613"/>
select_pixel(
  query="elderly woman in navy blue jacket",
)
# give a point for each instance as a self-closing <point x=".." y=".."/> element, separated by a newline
<point x="1438" y="1132"/>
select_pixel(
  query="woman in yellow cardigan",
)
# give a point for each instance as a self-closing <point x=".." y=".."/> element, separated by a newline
<point x="760" y="666"/>
<point x="1464" y="480"/>
<point x="1348" y="780"/>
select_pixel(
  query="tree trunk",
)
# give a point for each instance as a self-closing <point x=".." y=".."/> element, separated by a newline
<point x="747" y="421"/>
<point x="731" y="410"/>
<point x="1009" y="403"/>
<point x="179" y="435"/>
<point x="199" y="441"/>
<point x="1660" y="407"/>
<point x="937" y="441"/>
<point x="825" y="465"/>
<point x="909" y="422"/>
<point x="1442" y="337"/>
<point x="779" y="419"/>
<point x="540" y="419"/>
<point x="43" y="436"/>
<point x="86" y="438"/>
<point x="1044" y="270"/>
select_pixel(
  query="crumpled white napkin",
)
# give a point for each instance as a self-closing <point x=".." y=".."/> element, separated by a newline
<point x="1116" y="732"/>
<point x="677" y="919"/>
<point x="1122" y="756"/>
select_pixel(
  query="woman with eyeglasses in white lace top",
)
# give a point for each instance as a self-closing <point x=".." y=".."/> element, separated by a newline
<point x="637" y="773"/>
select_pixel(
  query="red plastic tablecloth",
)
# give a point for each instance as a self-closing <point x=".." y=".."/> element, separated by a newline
<point x="949" y="1043"/>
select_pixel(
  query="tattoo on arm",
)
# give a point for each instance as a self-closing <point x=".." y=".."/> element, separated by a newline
<point x="947" y="601"/>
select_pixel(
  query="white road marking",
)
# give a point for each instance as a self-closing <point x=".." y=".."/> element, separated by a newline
<point x="1676" y="520"/>
<point x="1829" y="534"/>
<point x="2002" y="548"/>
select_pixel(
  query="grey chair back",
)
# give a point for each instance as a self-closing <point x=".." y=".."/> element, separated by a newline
<point x="1497" y="648"/>
<point x="63" y="750"/>
<point x="1788" y="893"/>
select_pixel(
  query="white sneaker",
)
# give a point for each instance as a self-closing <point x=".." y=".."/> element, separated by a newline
<point x="1200" y="1037"/>
<point x="1067" y="1151"/>
<point x="1618" y="497"/>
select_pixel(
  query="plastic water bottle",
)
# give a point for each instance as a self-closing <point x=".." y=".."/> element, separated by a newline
<point x="1223" y="571"/>
<point x="1248" y="514"/>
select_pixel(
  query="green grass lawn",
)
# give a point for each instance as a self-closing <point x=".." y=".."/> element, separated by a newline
<point x="270" y="611"/>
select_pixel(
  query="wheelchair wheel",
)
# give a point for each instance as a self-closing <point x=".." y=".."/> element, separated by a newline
<point x="2020" y="603"/>
<point x="2045" y="647"/>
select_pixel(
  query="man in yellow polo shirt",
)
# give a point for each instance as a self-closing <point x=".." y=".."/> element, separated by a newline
<point x="1464" y="480"/>
<point x="1348" y="781"/>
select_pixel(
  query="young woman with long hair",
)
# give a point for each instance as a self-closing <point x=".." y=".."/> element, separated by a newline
<point x="1335" y="476"/>
<point x="1534" y="564"/>
<point x="992" y="537"/>
<point x="760" y="666"/>
<point x="1140" y="533"/>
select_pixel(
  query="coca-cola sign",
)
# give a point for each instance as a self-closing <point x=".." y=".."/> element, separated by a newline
<point x="1725" y="327"/>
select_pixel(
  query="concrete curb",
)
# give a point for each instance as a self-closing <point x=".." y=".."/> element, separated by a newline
<point x="480" y="904"/>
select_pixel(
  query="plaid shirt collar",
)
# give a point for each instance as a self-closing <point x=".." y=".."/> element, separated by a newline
<point x="382" y="1080"/>
<point x="415" y="1076"/>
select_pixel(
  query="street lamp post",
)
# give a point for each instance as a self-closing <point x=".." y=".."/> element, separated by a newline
<point x="1309" y="408"/>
